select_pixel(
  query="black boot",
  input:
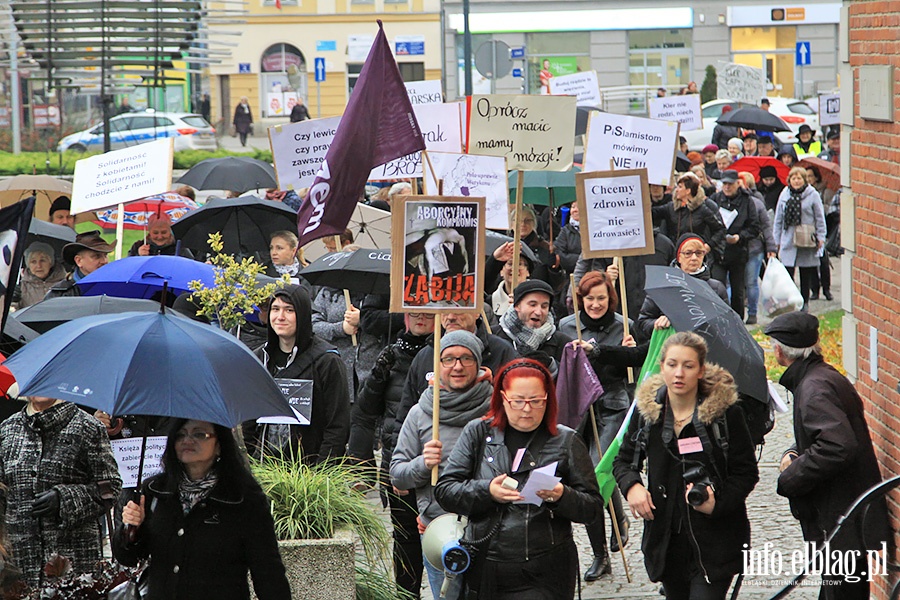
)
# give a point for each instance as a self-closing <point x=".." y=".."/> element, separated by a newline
<point x="599" y="568"/>
<point x="623" y="531"/>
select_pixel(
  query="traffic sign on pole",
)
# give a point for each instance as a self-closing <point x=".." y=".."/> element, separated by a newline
<point x="320" y="69"/>
<point x="517" y="52"/>
<point x="802" y="55"/>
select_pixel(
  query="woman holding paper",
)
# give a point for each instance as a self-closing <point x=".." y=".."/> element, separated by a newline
<point x="522" y="531"/>
<point x="204" y="522"/>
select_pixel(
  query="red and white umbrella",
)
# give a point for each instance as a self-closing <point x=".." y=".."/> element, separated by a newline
<point x="137" y="213"/>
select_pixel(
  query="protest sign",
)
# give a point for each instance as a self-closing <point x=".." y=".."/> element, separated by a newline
<point x="298" y="393"/>
<point x="472" y="176"/>
<point x="583" y="86"/>
<point x="684" y="109"/>
<point x="127" y="453"/>
<point x="438" y="251"/>
<point x="425" y="92"/>
<point x="740" y="83"/>
<point x="122" y="175"/>
<point x="440" y="127"/>
<point x="631" y="143"/>
<point x="534" y="133"/>
<point x="615" y="213"/>
<point x="298" y="150"/>
<point x="830" y="109"/>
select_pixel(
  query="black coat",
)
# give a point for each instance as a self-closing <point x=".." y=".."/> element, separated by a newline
<point x="836" y="462"/>
<point x="717" y="538"/>
<point x="299" y="113"/>
<point x="206" y="554"/>
<point x="568" y="247"/>
<point x="745" y="224"/>
<point x="243" y="119"/>
<point x="721" y="135"/>
<point x="699" y="216"/>
<point x="167" y="250"/>
<point x="526" y="531"/>
<point x="650" y="311"/>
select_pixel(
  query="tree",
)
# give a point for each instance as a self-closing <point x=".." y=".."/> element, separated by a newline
<point x="708" y="89"/>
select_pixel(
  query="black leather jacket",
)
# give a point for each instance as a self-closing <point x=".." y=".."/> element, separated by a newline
<point x="525" y="531"/>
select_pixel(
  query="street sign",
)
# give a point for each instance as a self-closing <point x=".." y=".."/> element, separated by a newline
<point x="517" y="72"/>
<point x="243" y="67"/>
<point x="492" y="59"/>
<point x="518" y="52"/>
<point x="802" y="55"/>
<point x="320" y="69"/>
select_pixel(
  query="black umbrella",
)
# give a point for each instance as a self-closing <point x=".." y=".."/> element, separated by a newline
<point x="751" y="117"/>
<point x="692" y="305"/>
<point x="15" y="335"/>
<point x="237" y="173"/>
<point x="56" y="236"/>
<point x="682" y="162"/>
<point x="493" y="240"/>
<point x="45" y="315"/>
<point x="246" y="224"/>
<point x="361" y="271"/>
<point x="582" y="116"/>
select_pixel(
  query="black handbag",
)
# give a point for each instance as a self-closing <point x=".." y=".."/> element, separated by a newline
<point x="833" y="242"/>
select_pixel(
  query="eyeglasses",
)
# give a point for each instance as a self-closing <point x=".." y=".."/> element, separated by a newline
<point x="466" y="361"/>
<point x="417" y="315"/>
<point x="689" y="253"/>
<point x="197" y="436"/>
<point x="519" y="403"/>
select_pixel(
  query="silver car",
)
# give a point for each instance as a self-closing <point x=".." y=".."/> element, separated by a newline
<point x="190" y="131"/>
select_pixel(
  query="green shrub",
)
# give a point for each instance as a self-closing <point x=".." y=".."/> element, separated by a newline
<point x="709" y="91"/>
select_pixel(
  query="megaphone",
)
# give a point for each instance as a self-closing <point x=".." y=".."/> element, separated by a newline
<point x="441" y="547"/>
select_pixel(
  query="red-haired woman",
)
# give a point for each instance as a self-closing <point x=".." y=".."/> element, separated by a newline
<point x="523" y="551"/>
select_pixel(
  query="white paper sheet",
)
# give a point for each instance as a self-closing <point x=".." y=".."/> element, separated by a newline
<point x="543" y="478"/>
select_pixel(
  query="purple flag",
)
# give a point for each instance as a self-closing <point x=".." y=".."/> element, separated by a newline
<point x="379" y="125"/>
<point x="577" y="386"/>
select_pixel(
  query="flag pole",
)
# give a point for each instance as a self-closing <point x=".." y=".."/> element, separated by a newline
<point x="623" y="302"/>
<point x="337" y="247"/>
<point x="436" y="407"/>
<point x="120" y="230"/>
<point x="517" y="237"/>
<point x="612" y="508"/>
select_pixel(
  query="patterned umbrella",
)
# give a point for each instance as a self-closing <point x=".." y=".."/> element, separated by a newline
<point x="137" y="213"/>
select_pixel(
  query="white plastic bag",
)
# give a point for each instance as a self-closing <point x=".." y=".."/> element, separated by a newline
<point x="778" y="292"/>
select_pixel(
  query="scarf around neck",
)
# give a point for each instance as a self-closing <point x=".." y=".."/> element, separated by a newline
<point x="191" y="492"/>
<point x="589" y="323"/>
<point x="291" y="269"/>
<point x="458" y="408"/>
<point x="530" y="339"/>
<point x="410" y="344"/>
<point x="792" y="207"/>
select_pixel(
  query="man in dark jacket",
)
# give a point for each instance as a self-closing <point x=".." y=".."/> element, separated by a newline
<point x="832" y="461"/>
<point x="529" y="327"/>
<point x="742" y="225"/>
<point x="497" y="352"/>
<point x="88" y="253"/>
<point x="723" y="133"/>
<point x="294" y="352"/>
<point x="568" y="243"/>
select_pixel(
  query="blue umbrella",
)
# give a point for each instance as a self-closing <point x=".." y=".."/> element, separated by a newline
<point x="149" y="364"/>
<point x="144" y="276"/>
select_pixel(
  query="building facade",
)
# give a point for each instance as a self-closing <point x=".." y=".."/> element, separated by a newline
<point x="273" y="60"/>
<point x="659" y="44"/>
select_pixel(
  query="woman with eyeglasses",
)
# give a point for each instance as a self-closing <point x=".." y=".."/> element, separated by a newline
<point x="701" y="466"/>
<point x="203" y="522"/>
<point x="690" y="256"/>
<point x="524" y="545"/>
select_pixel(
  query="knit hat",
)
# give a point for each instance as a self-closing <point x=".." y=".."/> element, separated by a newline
<point x="768" y="171"/>
<point x="795" y="329"/>
<point x="685" y="238"/>
<point x="710" y="148"/>
<point x="529" y="286"/>
<point x="61" y="203"/>
<point x="466" y="339"/>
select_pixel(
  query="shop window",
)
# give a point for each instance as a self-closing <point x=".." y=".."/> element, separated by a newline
<point x="412" y="71"/>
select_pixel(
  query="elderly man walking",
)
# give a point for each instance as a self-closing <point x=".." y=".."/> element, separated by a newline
<point x="832" y="461"/>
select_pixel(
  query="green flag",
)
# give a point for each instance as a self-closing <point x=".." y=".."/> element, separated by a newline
<point x="651" y="367"/>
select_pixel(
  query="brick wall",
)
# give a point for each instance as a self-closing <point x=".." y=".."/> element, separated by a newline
<point x="873" y="37"/>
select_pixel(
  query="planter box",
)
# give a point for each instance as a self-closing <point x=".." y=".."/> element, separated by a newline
<point x="320" y="569"/>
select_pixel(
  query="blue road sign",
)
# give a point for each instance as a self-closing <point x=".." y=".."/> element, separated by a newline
<point x="517" y="72"/>
<point x="243" y="67"/>
<point x="518" y="52"/>
<point x="802" y="55"/>
<point x="320" y="69"/>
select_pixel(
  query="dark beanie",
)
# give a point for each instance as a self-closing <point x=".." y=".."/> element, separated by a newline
<point x="686" y="237"/>
<point x="795" y="329"/>
<point x="61" y="203"/>
<point x="768" y="171"/>
<point x="529" y="286"/>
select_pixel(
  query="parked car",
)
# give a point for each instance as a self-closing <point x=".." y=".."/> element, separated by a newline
<point x="191" y="132"/>
<point x="792" y="111"/>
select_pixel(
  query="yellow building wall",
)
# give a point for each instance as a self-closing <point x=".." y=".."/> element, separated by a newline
<point x="245" y="84"/>
<point x="334" y="95"/>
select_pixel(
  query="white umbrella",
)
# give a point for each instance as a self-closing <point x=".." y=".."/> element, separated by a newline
<point x="371" y="228"/>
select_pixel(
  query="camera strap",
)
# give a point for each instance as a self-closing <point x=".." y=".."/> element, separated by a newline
<point x="708" y="447"/>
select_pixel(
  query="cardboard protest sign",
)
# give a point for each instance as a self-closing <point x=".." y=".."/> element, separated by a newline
<point x="438" y="254"/>
<point x="442" y="132"/>
<point x="472" y="176"/>
<point x="127" y="453"/>
<point x="615" y="213"/>
<point x="298" y="393"/>
<point x="298" y="150"/>
<point x="534" y="133"/>
<point x="684" y="109"/>
<point x="425" y="92"/>
<point x="122" y="175"/>
<point x="830" y="109"/>
<point x="740" y="83"/>
<point x="584" y="86"/>
<point x="631" y="143"/>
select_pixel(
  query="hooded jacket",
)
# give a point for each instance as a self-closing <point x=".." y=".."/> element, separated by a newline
<point x="717" y="538"/>
<point x="326" y="435"/>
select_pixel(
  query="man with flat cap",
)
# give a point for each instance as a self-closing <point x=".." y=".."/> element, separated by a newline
<point x="88" y="253"/>
<point x="832" y="461"/>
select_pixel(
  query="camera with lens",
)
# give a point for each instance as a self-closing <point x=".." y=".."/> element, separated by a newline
<point x="700" y="478"/>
